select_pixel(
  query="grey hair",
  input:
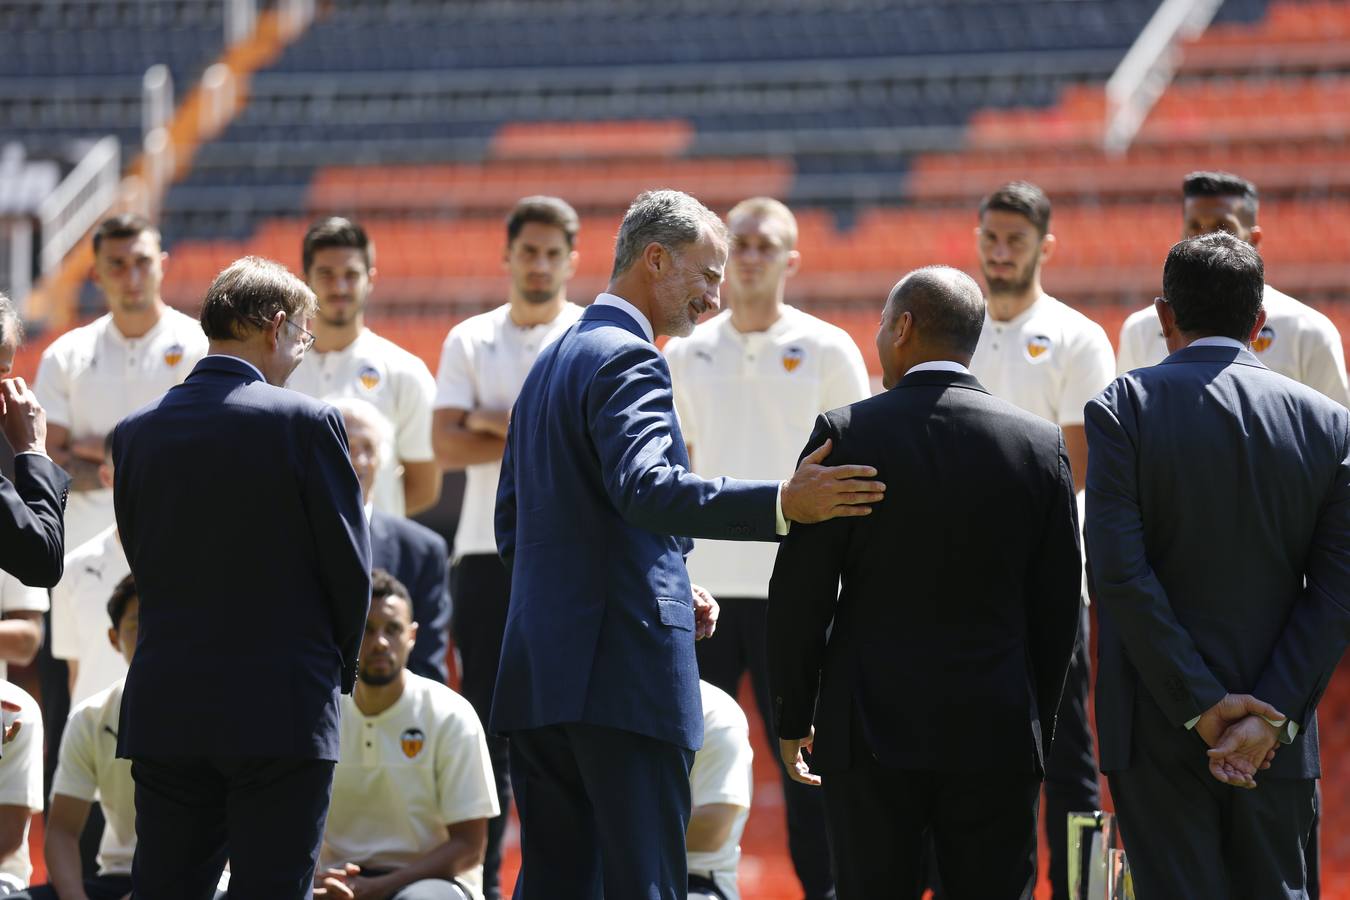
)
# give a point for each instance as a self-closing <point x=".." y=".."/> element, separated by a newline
<point x="669" y="218"/>
<point x="11" y="326"/>
<point x="367" y="412"/>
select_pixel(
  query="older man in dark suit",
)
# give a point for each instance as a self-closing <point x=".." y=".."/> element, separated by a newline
<point x="242" y="521"/>
<point x="1218" y="532"/>
<point x="32" y="533"/>
<point x="927" y="689"/>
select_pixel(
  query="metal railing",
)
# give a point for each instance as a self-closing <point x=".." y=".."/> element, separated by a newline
<point x="1148" y="67"/>
<point x="78" y="201"/>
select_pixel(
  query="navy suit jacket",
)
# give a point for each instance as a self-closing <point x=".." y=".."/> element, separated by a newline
<point x="1218" y="537"/>
<point x="595" y="508"/>
<point x="243" y="524"/>
<point x="961" y="592"/>
<point x="418" y="557"/>
<point x="32" y="524"/>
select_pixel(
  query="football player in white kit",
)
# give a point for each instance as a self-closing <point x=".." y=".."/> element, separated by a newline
<point x="1049" y="359"/>
<point x="1296" y="340"/>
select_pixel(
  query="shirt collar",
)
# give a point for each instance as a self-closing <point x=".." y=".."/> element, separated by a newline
<point x="939" y="365"/>
<point x="1218" y="341"/>
<point x="238" y="360"/>
<point x="633" y="312"/>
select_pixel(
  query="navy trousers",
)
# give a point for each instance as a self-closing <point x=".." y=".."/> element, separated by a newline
<point x="603" y="813"/>
<point x="265" y="815"/>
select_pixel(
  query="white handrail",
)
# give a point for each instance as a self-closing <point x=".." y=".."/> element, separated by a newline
<point x="1148" y="67"/>
<point x="72" y="209"/>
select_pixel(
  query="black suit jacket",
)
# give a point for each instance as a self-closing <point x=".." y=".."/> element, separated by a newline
<point x="243" y="524"/>
<point x="32" y="526"/>
<point x="952" y="634"/>
<point x="418" y="557"/>
<point x="1218" y="527"/>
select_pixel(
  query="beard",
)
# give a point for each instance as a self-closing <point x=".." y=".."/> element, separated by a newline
<point x="537" y="298"/>
<point x="1018" y="283"/>
<point x="371" y="679"/>
<point x="670" y="310"/>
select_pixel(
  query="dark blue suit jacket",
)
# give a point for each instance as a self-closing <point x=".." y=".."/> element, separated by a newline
<point x="1218" y="536"/>
<point x="595" y="508"/>
<point x="32" y="524"/>
<point x="418" y="557"/>
<point x="243" y="524"/>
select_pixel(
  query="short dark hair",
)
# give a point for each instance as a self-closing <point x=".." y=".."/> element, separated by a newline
<point x="126" y="225"/>
<point x="946" y="304"/>
<point x="11" y="326"/>
<point x="336" y="231"/>
<point x="543" y="210"/>
<point x="670" y="218"/>
<point x="248" y="294"/>
<point x="122" y="595"/>
<point x="1215" y="283"/>
<point x="1223" y="184"/>
<point x="382" y="585"/>
<point x="1023" y="198"/>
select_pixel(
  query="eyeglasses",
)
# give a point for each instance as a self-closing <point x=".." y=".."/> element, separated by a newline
<point x="308" y="340"/>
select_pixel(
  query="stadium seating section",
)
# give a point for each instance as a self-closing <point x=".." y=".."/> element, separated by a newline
<point x="881" y="123"/>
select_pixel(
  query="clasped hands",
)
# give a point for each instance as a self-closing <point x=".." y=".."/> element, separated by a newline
<point x="1241" y="740"/>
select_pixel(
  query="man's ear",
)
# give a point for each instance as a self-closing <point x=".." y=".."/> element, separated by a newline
<point x="1254" y="236"/>
<point x="904" y="328"/>
<point x="1047" y="248"/>
<point x="654" y="256"/>
<point x="1167" y="317"/>
<point x="794" y="263"/>
<point x="274" y="329"/>
<point x="1260" y="323"/>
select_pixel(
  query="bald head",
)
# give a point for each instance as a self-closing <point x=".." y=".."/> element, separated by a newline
<point x="946" y="305"/>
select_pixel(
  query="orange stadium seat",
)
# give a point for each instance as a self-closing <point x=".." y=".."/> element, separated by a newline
<point x="612" y="140"/>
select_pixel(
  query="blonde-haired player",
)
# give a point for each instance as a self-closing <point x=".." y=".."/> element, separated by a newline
<point x="748" y="385"/>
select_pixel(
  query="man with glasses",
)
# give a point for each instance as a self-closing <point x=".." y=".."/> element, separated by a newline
<point x="243" y="524"/>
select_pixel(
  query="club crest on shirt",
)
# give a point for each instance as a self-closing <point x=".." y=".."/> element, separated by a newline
<point x="173" y="355"/>
<point x="1264" y="338"/>
<point x="369" y="377"/>
<point x="1038" y="348"/>
<point x="412" y="740"/>
<point x="792" y="358"/>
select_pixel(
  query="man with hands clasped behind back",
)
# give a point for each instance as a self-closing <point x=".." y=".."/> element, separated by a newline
<point x="1224" y="591"/>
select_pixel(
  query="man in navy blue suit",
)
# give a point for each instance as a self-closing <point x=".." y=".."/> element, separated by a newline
<point x="415" y="555"/>
<point x="598" y="683"/>
<point x="1218" y="537"/>
<point x="242" y="521"/>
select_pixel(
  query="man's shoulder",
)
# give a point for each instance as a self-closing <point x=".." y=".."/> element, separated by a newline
<point x="105" y="704"/>
<point x="1140" y="320"/>
<point x="12" y="693"/>
<point x="804" y="327"/>
<point x="77" y="339"/>
<point x="407" y="531"/>
<point x="481" y="326"/>
<point x="98" y="547"/>
<point x="440" y="704"/>
<point x="1073" y="324"/>
<point x="1283" y="310"/>
<point x="399" y="360"/>
<point x="184" y="327"/>
<point x="720" y="710"/>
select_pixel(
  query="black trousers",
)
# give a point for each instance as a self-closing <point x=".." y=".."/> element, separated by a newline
<point x="982" y="827"/>
<point x="738" y="645"/>
<point x="99" y="887"/>
<point x="603" y="814"/>
<point x="480" y="591"/>
<point x="1071" y="783"/>
<point x="265" y="815"/>
<point x="1187" y="835"/>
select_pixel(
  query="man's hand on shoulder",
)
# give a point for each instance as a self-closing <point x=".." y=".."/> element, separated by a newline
<point x="22" y="418"/>
<point x="706" y="611"/>
<point x="817" y="492"/>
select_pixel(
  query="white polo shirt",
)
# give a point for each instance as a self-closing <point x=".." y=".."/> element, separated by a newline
<point x="15" y="596"/>
<point x="89" y="770"/>
<point x="723" y="772"/>
<point x="1297" y="341"/>
<point x="80" y="613"/>
<point x="396" y="382"/>
<point x="1050" y="360"/>
<point x="747" y="404"/>
<point x="483" y="365"/>
<point x="92" y="376"/>
<point x="21" y="777"/>
<point x="406" y="774"/>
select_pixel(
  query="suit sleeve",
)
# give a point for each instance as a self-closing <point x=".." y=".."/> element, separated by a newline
<point x="504" y="515"/>
<point x="431" y="609"/>
<point x="631" y="417"/>
<point x="803" y="592"/>
<point x="337" y="525"/>
<point x="1318" y="627"/>
<point x="32" y="527"/>
<point x="1127" y="588"/>
<point x="1054" y="597"/>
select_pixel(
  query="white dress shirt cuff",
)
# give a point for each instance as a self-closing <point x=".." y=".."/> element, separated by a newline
<point x="780" y="524"/>
<point x="32" y="453"/>
<point x="1288" y="728"/>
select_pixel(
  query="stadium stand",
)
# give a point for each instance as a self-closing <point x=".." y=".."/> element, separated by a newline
<point x="880" y="122"/>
